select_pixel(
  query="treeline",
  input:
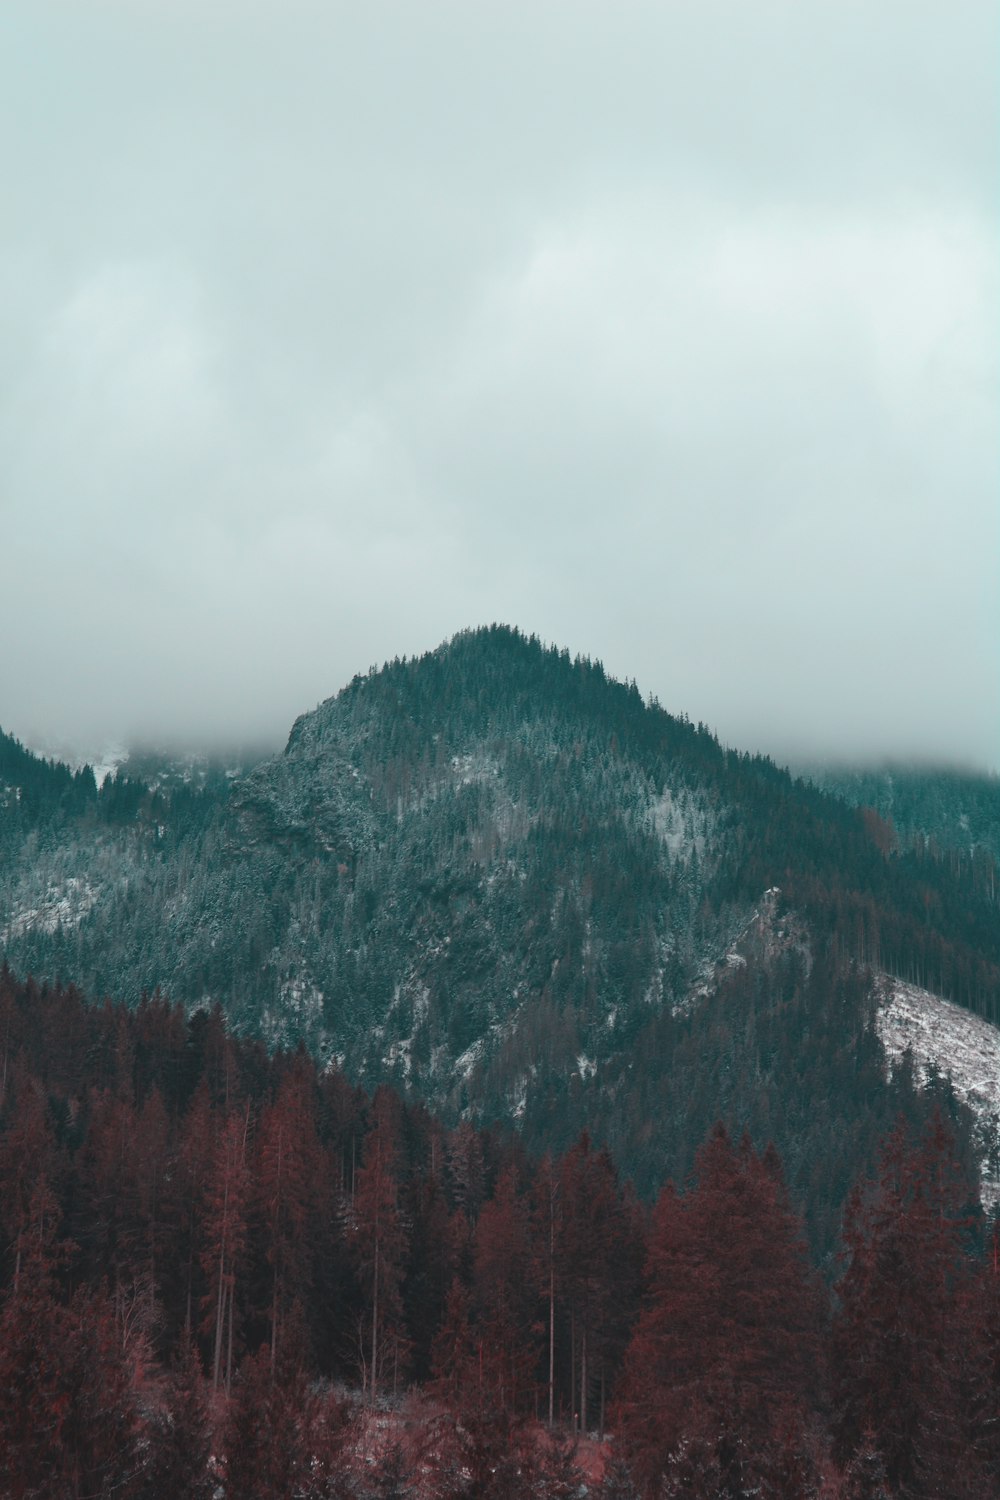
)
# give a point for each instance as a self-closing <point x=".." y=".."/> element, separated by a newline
<point x="219" y="1267"/>
<point x="493" y="833"/>
<point x="780" y="1048"/>
<point x="46" y="798"/>
<point x="957" y="810"/>
<point x="35" y="791"/>
<point x="925" y="913"/>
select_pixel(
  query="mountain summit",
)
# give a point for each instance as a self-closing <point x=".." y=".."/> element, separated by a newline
<point x="501" y="879"/>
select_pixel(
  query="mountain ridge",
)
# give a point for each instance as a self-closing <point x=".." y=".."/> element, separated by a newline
<point x="496" y="877"/>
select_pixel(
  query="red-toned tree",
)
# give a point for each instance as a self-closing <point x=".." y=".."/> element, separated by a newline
<point x="504" y="1297"/>
<point x="545" y="1236"/>
<point x="180" y="1443"/>
<point x="727" y="1341"/>
<point x="287" y="1182"/>
<point x="598" y="1255"/>
<point x="69" y="1427"/>
<point x="268" y="1446"/>
<point x="454" y="1367"/>
<point x="27" y="1159"/>
<point x="430" y="1265"/>
<point x="188" y="1189"/>
<point x="224" y="1243"/>
<point x="379" y="1243"/>
<point x="897" y="1329"/>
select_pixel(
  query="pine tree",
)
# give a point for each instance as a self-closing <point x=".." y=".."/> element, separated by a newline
<point x="285" y="1182"/>
<point x="865" y="1477"/>
<point x="729" y="1330"/>
<point x="617" y="1482"/>
<point x="268" y="1449"/>
<point x="597" y="1256"/>
<point x="69" y="1426"/>
<point x="224" y="1243"/>
<point x="454" y="1366"/>
<point x="179" y="1450"/>
<point x="897" y="1325"/>
<point x="379" y="1242"/>
<point x="503" y="1296"/>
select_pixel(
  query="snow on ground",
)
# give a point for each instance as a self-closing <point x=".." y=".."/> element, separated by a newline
<point x="954" y="1041"/>
<point x="63" y="905"/>
<point x="399" y="1054"/>
<point x="104" y="760"/>
<point x="469" y="769"/>
<point x="467" y="1060"/>
<point x="682" y="822"/>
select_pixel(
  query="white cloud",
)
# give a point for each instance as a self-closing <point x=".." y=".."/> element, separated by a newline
<point x="669" y="332"/>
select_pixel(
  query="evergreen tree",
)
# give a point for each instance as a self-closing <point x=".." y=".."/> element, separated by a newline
<point x="727" y="1341"/>
<point x="379" y="1241"/>
<point x="897" y="1324"/>
<point x="179" y="1449"/>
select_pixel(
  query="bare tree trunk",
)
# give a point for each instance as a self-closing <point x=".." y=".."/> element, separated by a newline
<point x="583" y="1380"/>
<point x="552" y="1302"/>
<point x="552" y="1342"/>
<point x="572" y="1367"/>
<point x="274" y="1295"/>
<point x="229" y="1355"/>
<point x="220" y="1303"/>
<point x="374" y="1322"/>
<point x="220" y="1300"/>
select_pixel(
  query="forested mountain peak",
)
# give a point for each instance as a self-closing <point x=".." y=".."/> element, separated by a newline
<point x="501" y="880"/>
<point x="494" y="680"/>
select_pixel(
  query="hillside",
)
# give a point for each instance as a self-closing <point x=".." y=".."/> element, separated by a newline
<point x="504" y="882"/>
<point x="958" y="811"/>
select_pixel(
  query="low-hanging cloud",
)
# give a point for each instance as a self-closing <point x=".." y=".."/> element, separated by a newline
<point x="669" y="333"/>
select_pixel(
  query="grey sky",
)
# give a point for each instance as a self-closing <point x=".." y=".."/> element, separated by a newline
<point x="668" y="331"/>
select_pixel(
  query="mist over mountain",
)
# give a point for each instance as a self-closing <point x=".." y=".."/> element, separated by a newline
<point x="501" y="880"/>
<point x="954" y="807"/>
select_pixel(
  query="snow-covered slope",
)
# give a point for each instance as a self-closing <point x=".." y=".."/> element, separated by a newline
<point x="954" y="1041"/>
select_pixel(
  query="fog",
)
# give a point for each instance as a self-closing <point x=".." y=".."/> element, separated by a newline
<point x="668" y="332"/>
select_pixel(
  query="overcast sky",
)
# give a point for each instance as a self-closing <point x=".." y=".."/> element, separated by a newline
<point x="668" y="331"/>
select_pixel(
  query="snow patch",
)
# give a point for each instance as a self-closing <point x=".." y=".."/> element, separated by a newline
<point x="472" y="768"/>
<point x="682" y="822"/>
<point x="63" y="905"/>
<point x="301" y="1000"/>
<point x="398" y="1055"/>
<point x="467" y="1060"/>
<point x="947" y="1038"/>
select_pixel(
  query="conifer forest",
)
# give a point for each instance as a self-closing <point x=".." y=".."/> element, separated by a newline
<point x="491" y="1097"/>
<point x="224" y="1269"/>
<point x="499" y="750"/>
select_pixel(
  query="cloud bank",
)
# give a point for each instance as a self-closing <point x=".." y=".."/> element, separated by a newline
<point x="668" y="332"/>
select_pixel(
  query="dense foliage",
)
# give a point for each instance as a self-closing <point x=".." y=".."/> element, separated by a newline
<point x="507" y="885"/>
<point x="197" y="1238"/>
<point x="958" y="811"/>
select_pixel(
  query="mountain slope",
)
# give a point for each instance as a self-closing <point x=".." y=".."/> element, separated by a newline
<point x="497" y="877"/>
<point x="957" y="810"/>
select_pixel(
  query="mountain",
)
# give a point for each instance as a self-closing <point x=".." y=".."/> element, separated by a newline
<point x="957" y="810"/>
<point x="501" y="880"/>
